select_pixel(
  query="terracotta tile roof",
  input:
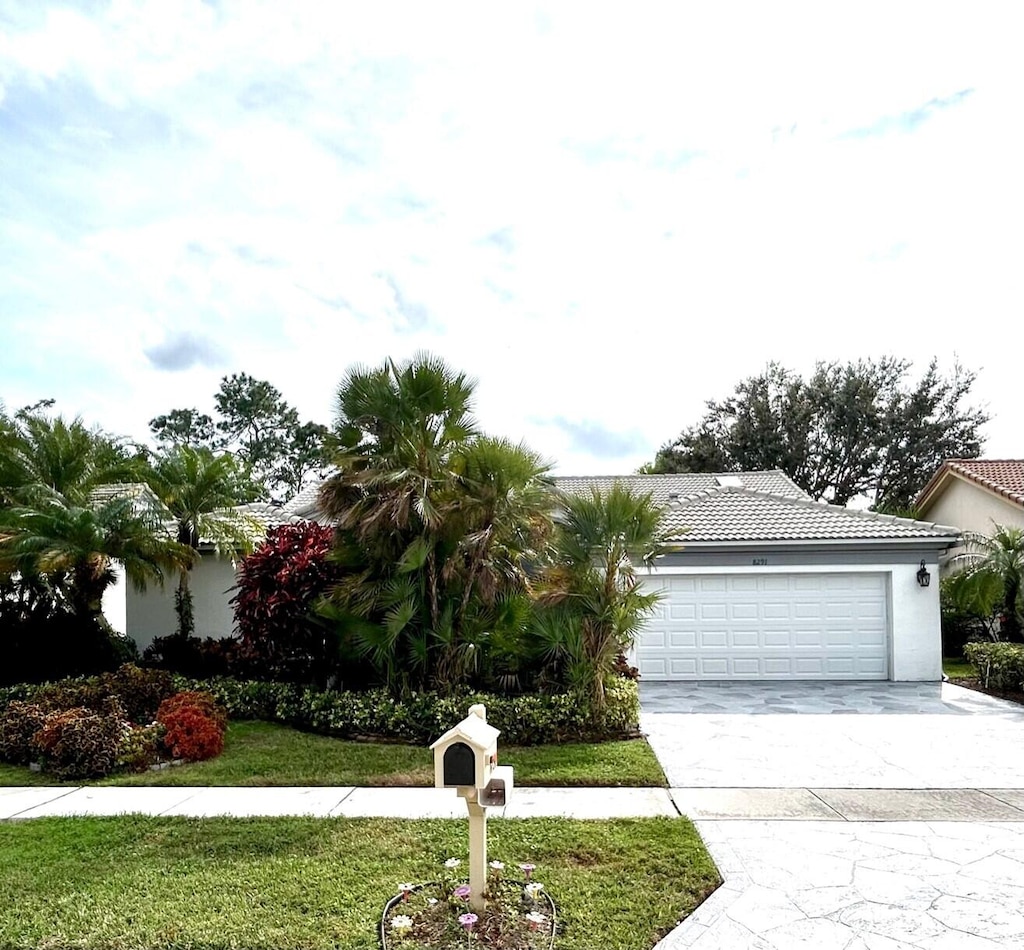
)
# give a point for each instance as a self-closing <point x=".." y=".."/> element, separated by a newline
<point x="738" y="514"/>
<point x="1003" y="476"/>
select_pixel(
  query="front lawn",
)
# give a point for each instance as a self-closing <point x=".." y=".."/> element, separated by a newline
<point x="261" y="753"/>
<point x="135" y="882"/>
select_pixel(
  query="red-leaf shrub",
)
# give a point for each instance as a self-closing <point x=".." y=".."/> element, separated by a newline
<point x="195" y="699"/>
<point x="191" y="735"/>
<point x="278" y="585"/>
<point x="19" y="722"/>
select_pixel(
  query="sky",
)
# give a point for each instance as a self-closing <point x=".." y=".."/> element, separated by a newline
<point x="605" y="214"/>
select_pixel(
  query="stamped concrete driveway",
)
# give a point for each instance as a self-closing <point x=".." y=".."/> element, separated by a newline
<point x="833" y="735"/>
<point x="848" y="816"/>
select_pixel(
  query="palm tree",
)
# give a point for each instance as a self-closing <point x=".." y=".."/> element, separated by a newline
<point x="80" y="543"/>
<point x="200" y="490"/>
<point x="994" y="577"/>
<point x="435" y="522"/>
<point x="593" y="587"/>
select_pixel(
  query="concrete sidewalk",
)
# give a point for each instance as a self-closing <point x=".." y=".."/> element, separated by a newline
<point x="700" y="804"/>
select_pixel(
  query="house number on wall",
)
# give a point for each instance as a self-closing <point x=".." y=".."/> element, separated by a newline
<point x="759" y="562"/>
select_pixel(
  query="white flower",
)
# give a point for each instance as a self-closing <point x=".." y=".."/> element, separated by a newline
<point x="431" y="901"/>
<point x="498" y="865"/>
<point x="401" y="923"/>
<point x="533" y="890"/>
<point x="535" y="920"/>
<point x="452" y="863"/>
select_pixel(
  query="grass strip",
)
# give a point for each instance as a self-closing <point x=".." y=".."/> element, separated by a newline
<point x="262" y="753"/>
<point x="206" y="884"/>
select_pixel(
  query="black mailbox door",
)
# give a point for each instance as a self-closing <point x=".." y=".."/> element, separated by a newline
<point x="459" y="765"/>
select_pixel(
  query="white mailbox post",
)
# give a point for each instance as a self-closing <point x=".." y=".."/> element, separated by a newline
<point x="466" y="759"/>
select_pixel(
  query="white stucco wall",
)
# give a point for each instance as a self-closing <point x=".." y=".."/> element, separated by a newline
<point x="915" y="637"/>
<point x="151" y="614"/>
<point x="972" y="508"/>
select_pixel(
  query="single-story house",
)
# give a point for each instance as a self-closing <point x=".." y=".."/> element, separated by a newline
<point x="759" y="582"/>
<point x="975" y="495"/>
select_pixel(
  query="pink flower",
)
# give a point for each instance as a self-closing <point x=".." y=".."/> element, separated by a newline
<point x="527" y="869"/>
<point x="461" y="892"/>
<point x="467" y="920"/>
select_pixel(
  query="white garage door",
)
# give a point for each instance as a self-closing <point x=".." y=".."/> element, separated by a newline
<point x="766" y="626"/>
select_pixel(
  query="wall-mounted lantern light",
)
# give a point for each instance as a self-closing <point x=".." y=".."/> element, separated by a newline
<point x="923" y="577"/>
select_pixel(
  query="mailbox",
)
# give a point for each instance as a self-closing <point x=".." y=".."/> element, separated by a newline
<point x="465" y="756"/>
<point x="498" y="790"/>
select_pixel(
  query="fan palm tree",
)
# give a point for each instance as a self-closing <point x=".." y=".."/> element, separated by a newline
<point x="434" y="520"/>
<point x="200" y="490"/>
<point x="592" y="585"/>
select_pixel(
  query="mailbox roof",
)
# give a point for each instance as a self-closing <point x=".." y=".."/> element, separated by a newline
<point x="474" y="730"/>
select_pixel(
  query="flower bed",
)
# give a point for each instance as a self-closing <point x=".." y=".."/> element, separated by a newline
<point x="520" y="915"/>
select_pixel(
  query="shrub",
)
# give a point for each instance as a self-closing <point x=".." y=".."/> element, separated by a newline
<point x="200" y="700"/>
<point x="73" y="692"/>
<point x="421" y="717"/>
<point x="81" y="742"/>
<point x="999" y="665"/>
<point x="140" y="691"/>
<point x="278" y="585"/>
<point x="192" y="736"/>
<point x="190" y="656"/>
<point x="19" y="722"/>
<point x="140" y="747"/>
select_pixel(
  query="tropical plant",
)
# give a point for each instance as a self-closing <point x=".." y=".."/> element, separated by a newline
<point x="279" y="585"/>
<point x="79" y="544"/>
<point x="200" y="490"/>
<point x="436" y="523"/>
<point x="592" y="588"/>
<point x="993" y="578"/>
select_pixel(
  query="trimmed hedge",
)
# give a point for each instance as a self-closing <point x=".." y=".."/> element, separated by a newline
<point x="533" y="719"/>
<point x="421" y="717"/>
<point x="999" y="665"/>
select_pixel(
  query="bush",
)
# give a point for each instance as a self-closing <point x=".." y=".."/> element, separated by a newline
<point x="278" y="585"/>
<point x="19" y="722"/>
<point x="81" y="742"/>
<point x="140" y="747"/>
<point x="140" y="691"/>
<point x="422" y="717"/>
<point x="199" y="700"/>
<point x="201" y="659"/>
<point x="999" y="665"/>
<point x="192" y="736"/>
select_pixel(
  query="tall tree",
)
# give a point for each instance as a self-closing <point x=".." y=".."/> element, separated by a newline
<point x="435" y="522"/>
<point x="851" y="428"/>
<point x="201" y="490"/>
<point x="256" y="424"/>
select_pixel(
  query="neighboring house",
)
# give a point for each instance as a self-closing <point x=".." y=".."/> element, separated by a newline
<point x="150" y="614"/>
<point x="760" y="582"/>
<point x="975" y="494"/>
<point x="763" y="583"/>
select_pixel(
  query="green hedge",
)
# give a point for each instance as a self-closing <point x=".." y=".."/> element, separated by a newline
<point x="421" y="717"/>
<point x="999" y="665"/>
<point x="533" y="719"/>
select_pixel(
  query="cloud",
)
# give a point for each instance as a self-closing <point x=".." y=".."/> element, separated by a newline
<point x="183" y="351"/>
<point x="907" y="121"/>
<point x="595" y="439"/>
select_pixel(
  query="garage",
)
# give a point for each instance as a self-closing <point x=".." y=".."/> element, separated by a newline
<point x="777" y="626"/>
<point x="760" y="582"/>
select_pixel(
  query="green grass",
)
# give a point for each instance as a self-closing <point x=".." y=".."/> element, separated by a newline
<point x="261" y="753"/>
<point x="134" y="882"/>
<point x="957" y="668"/>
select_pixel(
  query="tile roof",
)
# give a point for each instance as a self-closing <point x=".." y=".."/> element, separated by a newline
<point x="663" y="487"/>
<point x="305" y="505"/>
<point x="1003" y="476"/>
<point x="739" y="514"/>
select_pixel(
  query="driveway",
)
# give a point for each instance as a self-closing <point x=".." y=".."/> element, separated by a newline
<point x="848" y="816"/>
